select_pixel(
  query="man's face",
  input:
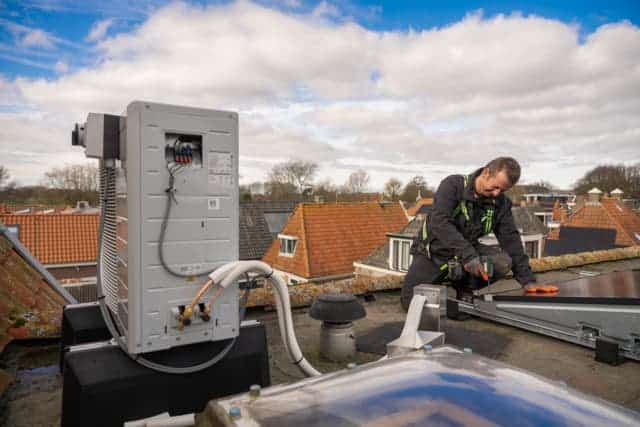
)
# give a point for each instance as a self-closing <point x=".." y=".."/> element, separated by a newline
<point x="492" y="185"/>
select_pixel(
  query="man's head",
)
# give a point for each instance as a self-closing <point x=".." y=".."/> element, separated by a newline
<point x="498" y="176"/>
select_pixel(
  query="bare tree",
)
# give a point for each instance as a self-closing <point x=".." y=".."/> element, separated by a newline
<point x="357" y="182"/>
<point x="609" y="177"/>
<point x="4" y="175"/>
<point x="392" y="189"/>
<point x="417" y="186"/>
<point x="540" y="187"/>
<point x="73" y="177"/>
<point x="296" y="173"/>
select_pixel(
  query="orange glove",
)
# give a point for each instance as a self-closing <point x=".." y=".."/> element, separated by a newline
<point x="543" y="289"/>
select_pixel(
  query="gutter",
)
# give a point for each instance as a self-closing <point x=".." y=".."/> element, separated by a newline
<point x="33" y="262"/>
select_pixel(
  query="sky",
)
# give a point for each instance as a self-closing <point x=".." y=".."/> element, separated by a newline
<point x="398" y="89"/>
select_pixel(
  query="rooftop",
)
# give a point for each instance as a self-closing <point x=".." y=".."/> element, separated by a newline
<point x="416" y="209"/>
<point x="331" y="236"/>
<point x="57" y="238"/>
<point x="35" y="398"/>
<point x="260" y="223"/>
<point x="608" y="213"/>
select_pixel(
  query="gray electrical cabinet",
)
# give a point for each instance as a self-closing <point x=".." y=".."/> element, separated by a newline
<point x="199" y="148"/>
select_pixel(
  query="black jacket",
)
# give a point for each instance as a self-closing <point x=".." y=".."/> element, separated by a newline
<point x="449" y="236"/>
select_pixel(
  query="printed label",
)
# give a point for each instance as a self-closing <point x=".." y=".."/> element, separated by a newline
<point x="224" y="180"/>
<point x="214" y="204"/>
<point x="220" y="163"/>
<point x="190" y="268"/>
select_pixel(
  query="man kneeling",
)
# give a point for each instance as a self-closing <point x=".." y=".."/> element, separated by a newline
<point x="465" y="208"/>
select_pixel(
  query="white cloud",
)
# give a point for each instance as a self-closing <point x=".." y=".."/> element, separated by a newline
<point x="36" y="38"/>
<point x="61" y="67"/>
<point x="99" y="30"/>
<point x="430" y="102"/>
<point x="326" y="9"/>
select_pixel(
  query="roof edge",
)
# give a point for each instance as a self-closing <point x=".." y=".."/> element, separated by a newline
<point x="33" y="262"/>
<point x="583" y="258"/>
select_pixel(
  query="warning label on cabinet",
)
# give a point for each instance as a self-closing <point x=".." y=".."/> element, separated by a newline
<point x="220" y="163"/>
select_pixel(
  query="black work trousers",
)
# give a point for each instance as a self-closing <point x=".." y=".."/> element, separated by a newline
<point x="424" y="271"/>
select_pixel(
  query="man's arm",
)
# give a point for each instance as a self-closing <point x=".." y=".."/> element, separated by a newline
<point x="510" y="242"/>
<point x="442" y="224"/>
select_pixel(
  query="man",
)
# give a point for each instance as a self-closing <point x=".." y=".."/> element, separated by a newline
<point x="466" y="208"/>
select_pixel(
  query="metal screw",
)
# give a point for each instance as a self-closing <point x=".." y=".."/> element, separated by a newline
<point x="467" y="350"/>
<point x="254" y="390"/>
<point x="427" y="347"/>
<point x="234" y="412"/>
<point x="351" y="365"/>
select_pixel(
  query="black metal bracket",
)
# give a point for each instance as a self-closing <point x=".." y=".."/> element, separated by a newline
<point x="608" y="351"/>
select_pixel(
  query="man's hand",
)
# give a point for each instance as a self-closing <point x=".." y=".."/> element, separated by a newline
<point x="543" y="289"/>
<point x="475" y="268"/>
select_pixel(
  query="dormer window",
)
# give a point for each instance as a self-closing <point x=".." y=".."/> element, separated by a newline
<point x="399" y="256"/>
<point x="287" y="245"/>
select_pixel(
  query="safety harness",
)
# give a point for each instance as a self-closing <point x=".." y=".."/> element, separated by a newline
<point x="467" y="212"/>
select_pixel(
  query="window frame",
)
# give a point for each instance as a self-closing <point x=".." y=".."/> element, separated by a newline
<point x="400" y="257"/>
<point x="287" y="241"/>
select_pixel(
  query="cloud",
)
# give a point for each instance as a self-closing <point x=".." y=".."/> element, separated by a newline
<point x="61" y="67"/>
<point x="27" y="37"/>
<point x="36" y="38"/>
<point x="399" y="103"/>
<point x="99" y="30"/>
<point x="326" y="9"/>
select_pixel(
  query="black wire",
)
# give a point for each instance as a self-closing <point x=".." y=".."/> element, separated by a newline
<point x="165" y="222"/>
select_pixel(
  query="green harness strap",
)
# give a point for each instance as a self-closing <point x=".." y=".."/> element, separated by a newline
<point x="487" y="217"/>
<point x="487" y="220"/>
<point x="461" y="208"/>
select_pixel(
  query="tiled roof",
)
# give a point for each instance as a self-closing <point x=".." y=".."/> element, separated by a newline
<point x="380" y="257"/>
<point x="29" y="306"/>
<point x="525" y="219"/>
<point x="425" y="201"/>
<point x="609" y="213"/>
<point x="6" y="208"/>
<point x="332" y="236"/>
<point x="58" y="238"/>
<point x="255" y="235"/>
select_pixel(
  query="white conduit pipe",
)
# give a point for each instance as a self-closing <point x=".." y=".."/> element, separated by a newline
<point x="283" y="306"/>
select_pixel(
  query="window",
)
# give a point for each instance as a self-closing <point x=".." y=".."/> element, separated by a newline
<point x="287" y="245"/>
<point x="531" y="248"/>
<point x="400" y="256"/>
<point x="14" y="230"/>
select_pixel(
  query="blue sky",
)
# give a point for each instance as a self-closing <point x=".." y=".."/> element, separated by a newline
<point x="67" y="23"/>
<point x="395" y="88"/>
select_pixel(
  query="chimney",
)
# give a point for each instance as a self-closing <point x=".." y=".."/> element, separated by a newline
<point x="594" y="195"/>
<point x="617" y="194"/>
<point x="559" y="213"/>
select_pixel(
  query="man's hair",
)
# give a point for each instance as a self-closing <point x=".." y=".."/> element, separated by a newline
<point x="507" y="164"/>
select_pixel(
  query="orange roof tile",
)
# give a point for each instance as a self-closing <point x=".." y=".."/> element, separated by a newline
<point x="58" y="238"/>
<point x="332" y="236"/>
<point x="609" y="213"/>
<point x="413" y="211"/>
<point x="29" y="306"/>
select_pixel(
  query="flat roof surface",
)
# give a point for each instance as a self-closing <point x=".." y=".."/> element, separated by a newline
<point x="35" y="396"/>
